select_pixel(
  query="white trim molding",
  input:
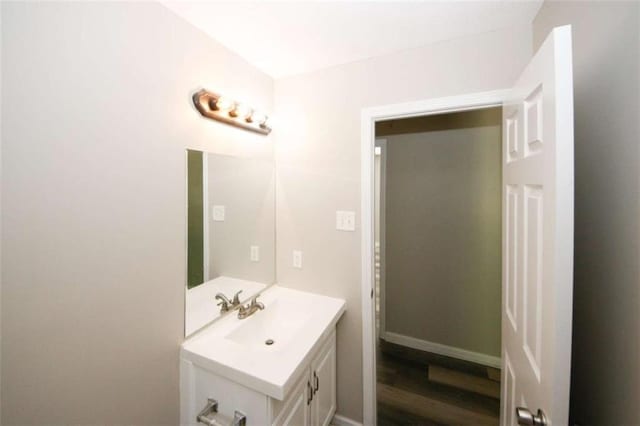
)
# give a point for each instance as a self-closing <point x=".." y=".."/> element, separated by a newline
<point x="339" y="420"/>
<point x="369" y="116"/>
<point x="205" y="213"/>
<point x="382" y="144"/>
<point x="440" y="349"/>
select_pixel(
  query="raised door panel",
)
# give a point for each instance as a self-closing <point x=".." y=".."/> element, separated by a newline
<point x="278" y="406"/>
<point x="297" y="414"/>
<point x="296" y="409"/>
<point x="323" y="372"/>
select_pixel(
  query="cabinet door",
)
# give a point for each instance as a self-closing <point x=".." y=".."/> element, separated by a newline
<point x="323" y="380"/>
<point x="297" y="406"/>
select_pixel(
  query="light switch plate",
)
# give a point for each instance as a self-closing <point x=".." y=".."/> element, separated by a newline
<point x="345" y="220"/>
<point x="255" y="254"/>
<point x="297" y="259"/>
<point x="218" y="213"/>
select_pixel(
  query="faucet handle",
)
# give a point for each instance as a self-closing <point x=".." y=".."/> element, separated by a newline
<point x="236" y="298"/>
<point x="255" y="303"/>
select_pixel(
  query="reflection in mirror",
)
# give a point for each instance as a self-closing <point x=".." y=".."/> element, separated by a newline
<point x="230" y="232"/>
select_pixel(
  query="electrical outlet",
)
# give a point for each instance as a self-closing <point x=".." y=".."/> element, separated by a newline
<point x="218" y="213"/>
<point x="297" y="259"/>
<point x="255" y="253"/>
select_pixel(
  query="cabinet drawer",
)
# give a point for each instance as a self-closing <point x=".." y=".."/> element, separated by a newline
<point x="230" y="395"/>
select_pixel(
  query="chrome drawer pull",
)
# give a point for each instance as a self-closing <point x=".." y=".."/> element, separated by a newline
<point x="210" y="416"/>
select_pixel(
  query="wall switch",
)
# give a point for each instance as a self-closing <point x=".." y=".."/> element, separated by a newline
<point x="297" y="259"/>
<point x="255" y="253"/>
<point x="345" y="220"/>
<point x="218" y="213"/>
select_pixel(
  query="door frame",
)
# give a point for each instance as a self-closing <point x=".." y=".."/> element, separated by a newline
<point x="369" y="117"/>
<point x="382" y="144"/>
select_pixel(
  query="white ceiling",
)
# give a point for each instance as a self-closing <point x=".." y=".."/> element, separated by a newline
<point x="285" y="38"/>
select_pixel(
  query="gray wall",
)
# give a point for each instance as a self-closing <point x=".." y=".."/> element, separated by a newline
<point x="605" y="386"/>
<point x="318" y="161"/>
<point x="246" y="187"/>
<point x="96" y="116"/>
<point x="443" y="233"/>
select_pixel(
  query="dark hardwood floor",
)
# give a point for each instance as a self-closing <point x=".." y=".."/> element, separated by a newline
<point x="420" y="388"/>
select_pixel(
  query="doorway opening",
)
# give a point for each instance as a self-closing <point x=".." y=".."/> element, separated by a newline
<point x="431" y="215"/>
<point x="437" y="272"/>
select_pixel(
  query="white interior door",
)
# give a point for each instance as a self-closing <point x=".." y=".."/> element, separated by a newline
<point x="537" y="279"/>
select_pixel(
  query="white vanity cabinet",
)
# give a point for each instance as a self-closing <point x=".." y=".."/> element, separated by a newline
<point x="310" y="402"/>
<point x="276" y="367"/>
<point x="313" y="400"/>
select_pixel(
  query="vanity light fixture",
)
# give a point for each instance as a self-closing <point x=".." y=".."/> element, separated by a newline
<point x="221" y="108"/>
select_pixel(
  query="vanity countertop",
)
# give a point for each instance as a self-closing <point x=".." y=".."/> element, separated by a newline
<point x="297" y="322"/>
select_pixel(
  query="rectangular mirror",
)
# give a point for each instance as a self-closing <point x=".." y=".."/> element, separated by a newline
<point x="230" y="232"/>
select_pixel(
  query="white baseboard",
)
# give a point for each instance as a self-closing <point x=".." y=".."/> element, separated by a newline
<point x="339" y="420"/>
<point x="437" y="348"/>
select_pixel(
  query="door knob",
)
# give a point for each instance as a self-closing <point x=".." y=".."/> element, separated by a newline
<point x="526" y="417"/>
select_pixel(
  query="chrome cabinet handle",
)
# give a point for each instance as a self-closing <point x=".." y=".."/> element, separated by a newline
<point x="239" y="419"/>
<point x="527" y="418"/>
<point x="317" y="382"/>
<point x="310" y="393"/>
<point x="209" y="416"/>
<point x="210" y="408"/>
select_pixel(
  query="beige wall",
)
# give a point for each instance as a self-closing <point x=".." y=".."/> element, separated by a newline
<point x="246" y="187"/>
<point x="318" y="161"/>
<point x="96" y="115"/>
<point x="443" y="232"/>
<point x="605" y="387"/>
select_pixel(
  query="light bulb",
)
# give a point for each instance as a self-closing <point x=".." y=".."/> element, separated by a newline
<point x="223" y="104"/>
<point x="258" y="118"/>
<point x="240" y="110"/>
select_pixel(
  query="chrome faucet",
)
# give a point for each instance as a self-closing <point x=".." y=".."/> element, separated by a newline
<point x="250" y="308"/>
<point x="226" y="304"/>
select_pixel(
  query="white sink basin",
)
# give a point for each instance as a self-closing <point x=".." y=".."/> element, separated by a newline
<point x="237" y="349"/>
<point x="271" y="329"/>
